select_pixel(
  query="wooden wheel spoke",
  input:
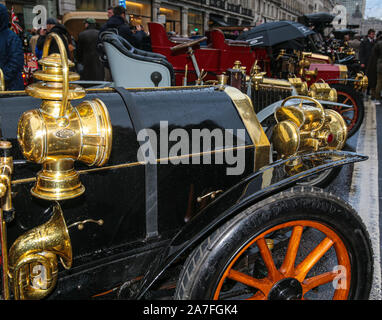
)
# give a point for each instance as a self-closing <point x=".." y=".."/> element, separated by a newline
<point x="346" y="110"/>
<point x="319" y="280"/>
<point x="290" y="257"/>
<point x="266" y="254"/>
<point x="264" y="285"/>
<point x="313" y="257"/>
<point x="346" y="100"/>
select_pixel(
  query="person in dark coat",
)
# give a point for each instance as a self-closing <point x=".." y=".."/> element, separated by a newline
<point x="87" y="54"/>
<point x="375" y="69"/>
<point x="365" y="48"/>
<point x="11" y="54"/>
<point x="117" y="22"/>
<point x="52" y="26"/>
<point x="355" y="44"/>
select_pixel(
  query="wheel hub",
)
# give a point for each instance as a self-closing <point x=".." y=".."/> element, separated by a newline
<point x="286" y="289"/>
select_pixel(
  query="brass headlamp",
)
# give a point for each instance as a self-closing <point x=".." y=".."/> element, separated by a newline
<point x="322" y="91"/>
<point x="57" y="134"/>
<point x="307" y="127"/>
<point x="361" y="81"/>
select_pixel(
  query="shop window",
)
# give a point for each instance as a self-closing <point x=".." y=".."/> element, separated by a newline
<point x="172" y="19"/>
<point x="90" y="5"/>
<point x="233" y="22"/>
<point x="195" y="22"/>
<point x="140" y="13"/>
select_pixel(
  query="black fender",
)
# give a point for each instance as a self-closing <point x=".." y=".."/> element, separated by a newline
<point x="267" y="181"/>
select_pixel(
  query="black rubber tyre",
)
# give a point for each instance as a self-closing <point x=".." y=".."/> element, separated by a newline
<point x="214" y="267"/>
<point x="350" y="96"/>
<point x="319" y="180"/>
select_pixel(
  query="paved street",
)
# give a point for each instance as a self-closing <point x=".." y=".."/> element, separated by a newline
<point x="359" y="183"/>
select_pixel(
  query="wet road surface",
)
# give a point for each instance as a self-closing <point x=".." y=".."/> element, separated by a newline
<point x="359" y="184"/>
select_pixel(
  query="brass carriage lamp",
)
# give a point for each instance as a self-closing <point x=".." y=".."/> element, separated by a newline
<point x="58" y="134"/>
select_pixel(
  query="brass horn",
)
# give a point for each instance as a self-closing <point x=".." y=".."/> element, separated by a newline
<point x="33" y="257"/>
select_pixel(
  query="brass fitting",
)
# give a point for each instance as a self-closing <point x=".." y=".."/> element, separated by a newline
<point x="322" y="91"/>
<point x="2" y="81"/>
<point x="6" y="167"/>
<point x="256" y="76"/>
<point x="57" y="134"/>
<point x="6" y="170"/>
<point x="307" y="127"/>
<point x="301" y="86"/>
<point x="361" y="82"/>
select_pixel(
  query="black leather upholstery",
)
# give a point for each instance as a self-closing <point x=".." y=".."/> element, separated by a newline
<point x="123" y="46"/>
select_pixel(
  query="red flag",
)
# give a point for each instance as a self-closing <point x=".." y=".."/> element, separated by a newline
<point x="15" y="23"/>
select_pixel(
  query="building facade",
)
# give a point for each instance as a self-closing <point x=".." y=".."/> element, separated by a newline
<point x="352" y="6"/>
<point x="24" y="9"/>
<point x="355" y="10"/>
<point x="183" y="16"/>
<point x="371" y="23"/>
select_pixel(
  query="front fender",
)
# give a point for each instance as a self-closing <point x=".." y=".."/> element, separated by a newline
<point x="267" y="181"/>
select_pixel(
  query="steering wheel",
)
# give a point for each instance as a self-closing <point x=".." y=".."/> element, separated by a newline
<point x="187" y="44"/>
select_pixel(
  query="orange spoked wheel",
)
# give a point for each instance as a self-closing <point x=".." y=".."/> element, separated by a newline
<point x="301" y="244"/>
<point x="354" y="114"/>
<point x="290" y="281"/>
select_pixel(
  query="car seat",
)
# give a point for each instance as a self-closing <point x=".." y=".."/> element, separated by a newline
<point x="132" y="67"/>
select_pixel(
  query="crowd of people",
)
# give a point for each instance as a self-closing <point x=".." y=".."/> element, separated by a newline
<point x="86" y="57"/>
<point x="83" y="51"/>
<point x="369" y="52"/>
<point x="11" y="54"/>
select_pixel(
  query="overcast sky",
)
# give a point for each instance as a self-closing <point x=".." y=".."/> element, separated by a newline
<point x="373" y="8"/>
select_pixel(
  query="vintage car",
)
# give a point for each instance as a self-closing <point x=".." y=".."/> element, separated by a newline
<point x="74" y="21"/>
<point x="313" y="68"/>
<point x="192" y="62"/>
<point x="335" y="48"/>
<point x="106" y="193"/>
<point x="266" y="94"/>
<point x="156" y="70"/>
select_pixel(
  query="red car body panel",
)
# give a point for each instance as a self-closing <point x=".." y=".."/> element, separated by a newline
<point x="219" y="55"/>
<point x="326" y="72"/>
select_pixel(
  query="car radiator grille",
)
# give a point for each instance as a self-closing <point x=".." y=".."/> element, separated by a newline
<point x="268" y="94"/>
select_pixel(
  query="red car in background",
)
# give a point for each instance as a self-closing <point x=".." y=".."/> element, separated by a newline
<point x="30" y="66"/>
<point x="221" y="54"/>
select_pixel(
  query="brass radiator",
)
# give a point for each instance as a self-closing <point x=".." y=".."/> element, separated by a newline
<point x="264" y="94"/>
